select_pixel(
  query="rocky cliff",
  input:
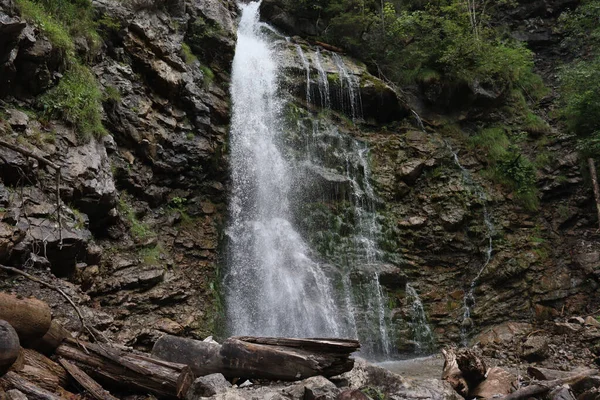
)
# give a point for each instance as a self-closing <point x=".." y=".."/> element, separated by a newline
<point x="143" y="208"/>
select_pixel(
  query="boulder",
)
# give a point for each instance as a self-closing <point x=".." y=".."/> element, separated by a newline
<point x="319" y="388"/>
<point x="206" y="386"/>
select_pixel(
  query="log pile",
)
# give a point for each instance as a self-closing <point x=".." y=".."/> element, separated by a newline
<point x="41" y="359"/>
<point x="468" y="374"/>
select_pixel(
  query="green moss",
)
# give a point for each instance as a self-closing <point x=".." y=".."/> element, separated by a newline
<point x="151" y="255"/>
<point x="535" y="125"/>
<point x="187" y="54"/>
<point x="138" y="229"/>
<point x="209" y="75"/>
<point x="112" y="94"/>
<point x="78" y="100"/>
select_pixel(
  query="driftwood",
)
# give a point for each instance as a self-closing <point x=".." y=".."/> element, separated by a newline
<point x="30" y="317"/>
<point x="128" y="370"/>
<point x="330" y="47"/>
<point x="546" y="374"/>
<point x="473" y="368"/>
<point x="13" y="381"/>
<point x="541" y="387"/>
<point x="52" y="339"/>
<point x="9" y="346"/>
<point x="562" y="393"/>
<point x="93" y="388"/>
<point x="40" y="362"/>
<point x="452" y="374"/>
<point x="260" y="358"/>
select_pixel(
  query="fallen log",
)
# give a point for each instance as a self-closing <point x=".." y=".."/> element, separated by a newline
<point x="93" y="388"/>
<point x="473" y="368"/>
<point x="9" y="346"/>
<point x="33" y="359"/>
<point x="260" y="358"/>
<point x="562" y="393"/>
<point x="130" y="371"/>
<point x="28" y="316"/>
<point x="52" y="339"/>
<point x="13" y="381"/>
<point x="542" y="387"/>
<point x="452" y="374"/>
<point x="546" y="374"/>
<point x="330" y="47"/>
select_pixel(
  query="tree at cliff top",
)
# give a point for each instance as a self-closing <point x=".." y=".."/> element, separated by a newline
<point x="580" y="83"/>
<point x="452" y="41"/>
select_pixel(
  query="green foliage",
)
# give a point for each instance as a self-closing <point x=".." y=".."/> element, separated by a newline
<point x="374" y="393"/>
<point x="62" y="20"/>
<point x="187" y="54"/>
<point x="138" y="229"/>
<point x="112" y="94"/>
<point x="56" y="32"/>
<point x="77" y="99"/>
<point x="580" y="80"/>
<point x="151" y="255"/>
<point x="209" y="75"/>
<point x="493" y="141"/>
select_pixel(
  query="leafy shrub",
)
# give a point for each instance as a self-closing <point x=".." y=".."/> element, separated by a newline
<point x="56" y="32"/>
<point x="76" y="99"/>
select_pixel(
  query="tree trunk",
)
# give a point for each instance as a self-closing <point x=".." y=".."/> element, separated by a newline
<point x="260" y="358"/>
<point x="546" y="386"/>
<point x="30" y="317"/>
<point x="452" y="374"/>
<point x="129" y="371"/>
<point x="93" y="388"/>
<point x="9" y="346"/>
<point x="592" y="166"/>
<point x="472" y="367"/>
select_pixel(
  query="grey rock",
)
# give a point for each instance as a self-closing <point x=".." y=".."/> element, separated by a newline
<point x="15" y="394"/>
<point x="535" y="348"/>
<point x="207" y="386"/>
<point x="17" y="119"/>
<point x="319" y="388"/>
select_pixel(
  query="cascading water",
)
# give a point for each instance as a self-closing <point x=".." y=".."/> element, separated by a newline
<point x="469" y="299"/>
<point x="273" y="286"/>
<point x="421" y="331"/>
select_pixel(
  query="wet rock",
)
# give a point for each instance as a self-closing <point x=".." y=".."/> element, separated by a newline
<point x="410" y="170"/>
<point x="413" y="222"/>
<point x="15" y="394"/>
<point x="535" y="348"/>
<point x="392" y="277"/>
<point x="206" y="386"/>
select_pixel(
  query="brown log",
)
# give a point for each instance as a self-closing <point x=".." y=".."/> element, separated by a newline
<point x="537" y="388"/>
<point x="260" y="358"/>
<point x="52" y="339"/>
<point x="9" y="346"/>
<point x="40" y="377"/>
<point x="473" y="368"/>
<point x="329" y="47"/>
<point x="499" y="382"/>
<point x="592" y="167"/>
<point x="452" y="374"/>
<point x="13" y="381"/>
<point x="93" y="388"/>
<point x="39" y="361"/>
<point x="30" y="317"/>
<point x="129" y="371"/>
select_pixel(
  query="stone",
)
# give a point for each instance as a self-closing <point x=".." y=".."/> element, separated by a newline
<point x="591" y="321"/>
<point x="15" y="394"/>
<point x="410" y="170"/>
<point x="413" y="222"/>
<point x="18" y="120"/>
<point x="207" y="386"/>
<point x="352" y="395"/>
<point x="576" y="320"/>
<point x="535" y="348"/>
<point x="319" y="388"/>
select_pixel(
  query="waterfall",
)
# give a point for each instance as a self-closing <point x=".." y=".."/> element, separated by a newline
<point x="469" y="299"/>
<point x="273" y="286"/>
<point x="421" y="331"/>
